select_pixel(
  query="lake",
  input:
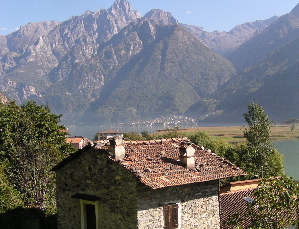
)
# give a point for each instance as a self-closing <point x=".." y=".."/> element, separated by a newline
<point x="290" y="150"/>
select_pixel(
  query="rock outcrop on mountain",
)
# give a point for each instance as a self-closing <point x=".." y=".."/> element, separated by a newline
<point x="32" y="55"/>
<point x="160" y="17"/>
<point x="280" y="32"/>
<point x="171" y="71"/>
<point x="226" y="42"/>
<point x="111" y="65"/>
<point x="3" y="46"/>
<point x="3" y="98"/>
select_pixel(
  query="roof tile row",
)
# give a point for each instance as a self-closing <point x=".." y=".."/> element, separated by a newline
<point x="157" y="163"/>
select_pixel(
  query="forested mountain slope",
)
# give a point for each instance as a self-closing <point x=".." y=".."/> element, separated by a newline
<point x="172" y="71"/>
<point x="274" y="84"/>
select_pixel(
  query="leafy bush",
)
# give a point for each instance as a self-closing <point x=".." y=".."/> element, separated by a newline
<point x="31" y="143"/>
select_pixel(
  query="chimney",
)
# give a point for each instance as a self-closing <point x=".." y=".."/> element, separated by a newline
<point x="187" y="156"/>
<point x="116" y="148"/>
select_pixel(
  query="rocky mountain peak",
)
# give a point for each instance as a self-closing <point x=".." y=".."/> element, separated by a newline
<point x="269" y="21"/>
<point x="86" y="13"/>
<point x="123" y="7"/>
<point x="28" y="34"/>
<point x="160" y="17"/>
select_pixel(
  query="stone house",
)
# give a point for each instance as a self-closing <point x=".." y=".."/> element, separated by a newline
<point x="110" y="133"/>
<point x="167" y="183"/>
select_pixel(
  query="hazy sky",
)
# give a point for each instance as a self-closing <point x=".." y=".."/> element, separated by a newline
<point x="221" y="15"/>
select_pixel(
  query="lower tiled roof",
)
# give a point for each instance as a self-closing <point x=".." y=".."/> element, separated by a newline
<point x="157" y="164"/>
<point x="233" y="203"/>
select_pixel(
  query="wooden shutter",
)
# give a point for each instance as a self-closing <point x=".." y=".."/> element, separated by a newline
<point x="175" y="216"/>
<point x="170" y="216"/>
<point x="167" y="216"/>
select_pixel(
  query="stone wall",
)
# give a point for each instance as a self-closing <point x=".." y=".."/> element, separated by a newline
<point x="94" y="174"/>
<point x="198" y="205"/>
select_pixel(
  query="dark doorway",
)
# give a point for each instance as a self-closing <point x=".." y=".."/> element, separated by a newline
<point x="91" y="222"/>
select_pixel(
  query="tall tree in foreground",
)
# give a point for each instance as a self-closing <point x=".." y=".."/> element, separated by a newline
<point x="31" y="143"/>
<point x="261" y="157"/>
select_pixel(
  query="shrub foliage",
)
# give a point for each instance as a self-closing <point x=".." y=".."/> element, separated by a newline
<point x="31" y="143"/>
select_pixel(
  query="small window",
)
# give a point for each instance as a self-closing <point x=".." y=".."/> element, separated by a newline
<point x="89" y="214"/>
<point x="170" y="212"/>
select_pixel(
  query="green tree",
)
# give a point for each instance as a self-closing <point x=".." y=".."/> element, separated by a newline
<point x="31" y="143"/>
<point x="218" y="146"/>
<point x="145" y="135"/>
<point x="133" y="136"/>
<point x="276" y="203"/>
<point x="9" y="197"/>
<point x="291" y="121"/>
<point x="200" y="138"/>
<point x="260" y="155"/>
<point x="172" y="133"/>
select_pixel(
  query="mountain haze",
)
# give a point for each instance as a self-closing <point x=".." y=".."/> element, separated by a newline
<point x="226" y="42"/>
<point x="280" y="32"/>
<point x="273" y="82"/>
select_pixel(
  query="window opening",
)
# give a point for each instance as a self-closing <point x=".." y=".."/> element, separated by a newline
<point x="170" y="212"/>
<point x="91" y="221"/>
<point x="89" y="214"/>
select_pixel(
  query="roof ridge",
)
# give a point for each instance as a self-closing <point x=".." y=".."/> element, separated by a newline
<point x="239" y="191"/>
<point x="160" y="140"/>
<point x="157" y="163"/>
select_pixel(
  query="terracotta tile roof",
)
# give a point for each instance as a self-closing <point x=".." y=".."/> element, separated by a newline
<point x="74" y="139"/>
<point x="156" y="163"/>
<point x="234" y="203"/>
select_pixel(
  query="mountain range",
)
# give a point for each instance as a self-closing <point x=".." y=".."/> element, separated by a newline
<point x="114" y="66"/>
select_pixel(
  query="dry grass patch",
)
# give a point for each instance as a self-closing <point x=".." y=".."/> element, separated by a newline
<point x="235" y="133"/>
